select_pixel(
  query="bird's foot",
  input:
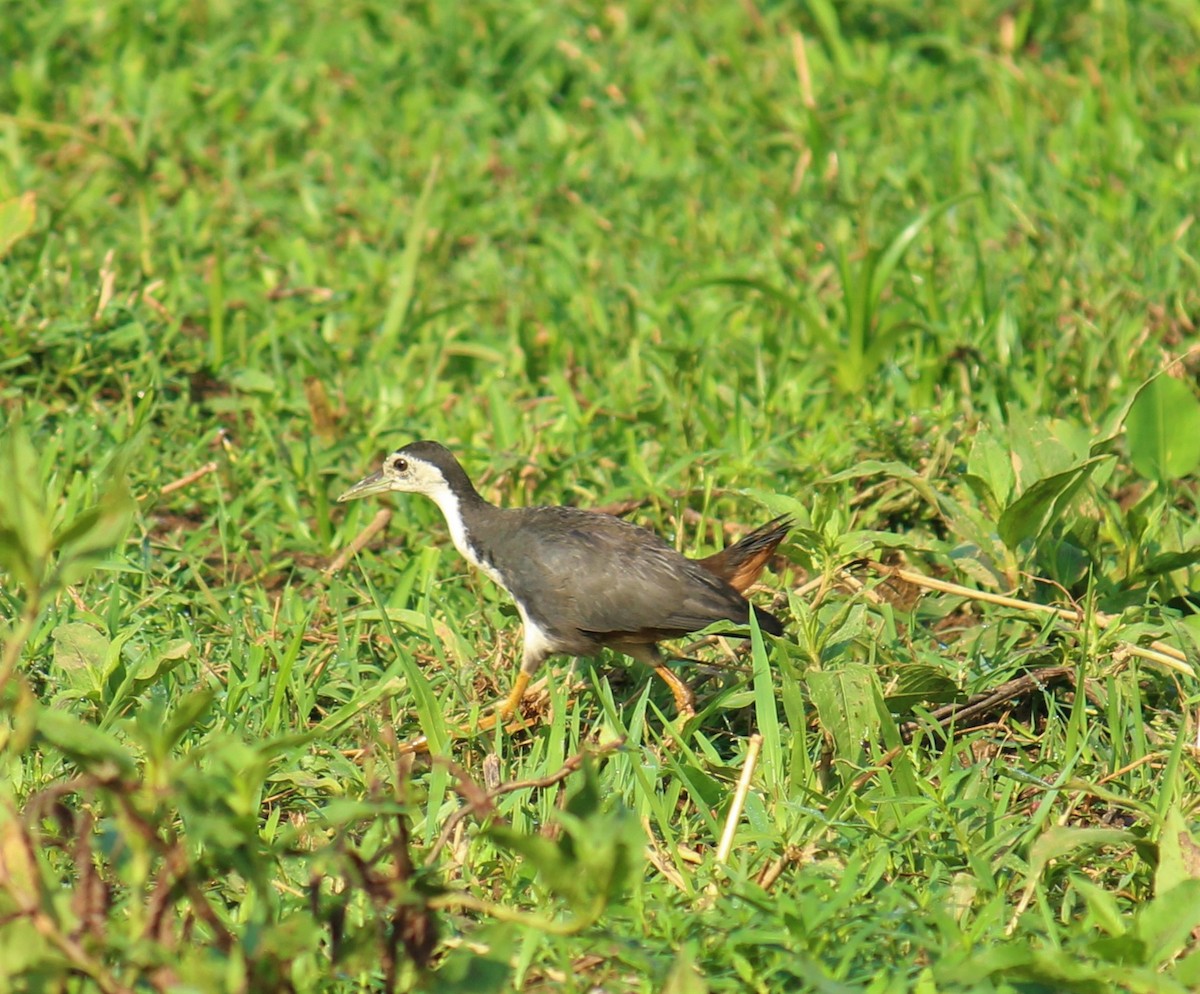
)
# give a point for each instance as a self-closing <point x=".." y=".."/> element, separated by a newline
<point x="507" y="713"/>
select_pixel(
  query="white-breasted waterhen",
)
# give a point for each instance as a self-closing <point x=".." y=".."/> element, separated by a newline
<point x="580" y="579"/>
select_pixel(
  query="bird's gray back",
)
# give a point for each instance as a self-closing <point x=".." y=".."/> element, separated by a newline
<point x="580" y="574"/>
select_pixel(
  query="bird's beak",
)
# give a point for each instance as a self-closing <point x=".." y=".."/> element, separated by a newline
<point x="366" y="487"/>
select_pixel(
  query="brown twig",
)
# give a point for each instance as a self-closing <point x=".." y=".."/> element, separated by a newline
<point x="189" y="479"/>
<point x="725" y="846"/>
<point x="481" y="802"/>
<point x="282" y="292"/>
<point x="378" y="523"/>
<point x="990" y="699"/>
<point x="884" y="762"/>
<point x="1158" y="652"/>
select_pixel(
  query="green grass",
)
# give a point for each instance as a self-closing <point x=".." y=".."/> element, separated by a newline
<point x="908" y="294"/>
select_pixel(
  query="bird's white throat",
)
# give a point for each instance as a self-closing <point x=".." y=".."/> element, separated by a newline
<point x="451" y="508"/>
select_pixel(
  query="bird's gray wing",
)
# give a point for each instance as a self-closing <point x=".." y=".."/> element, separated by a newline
<point x="604" y="575"/>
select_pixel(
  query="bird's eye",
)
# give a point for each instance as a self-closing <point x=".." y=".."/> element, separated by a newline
<point x="400" y="465"/>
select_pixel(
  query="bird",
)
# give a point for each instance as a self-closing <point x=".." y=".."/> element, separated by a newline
<point x="582" y="580"/>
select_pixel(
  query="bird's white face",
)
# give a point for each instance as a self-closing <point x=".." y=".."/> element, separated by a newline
<point x="401" y="473"/>
<point x="404" y="472"/>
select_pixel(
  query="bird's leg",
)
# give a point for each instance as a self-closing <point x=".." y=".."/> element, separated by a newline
<point x="532" y="657"/>
<point x="505" y="710"/>
<point x="513" y="701"/>
<point x="500" y="715"/>
<point x="685" y="700"/>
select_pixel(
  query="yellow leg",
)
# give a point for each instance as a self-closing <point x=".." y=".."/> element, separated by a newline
<point x="513" y="700"/>
<point x="505" y="710"/>
<point x="685" y="702"/>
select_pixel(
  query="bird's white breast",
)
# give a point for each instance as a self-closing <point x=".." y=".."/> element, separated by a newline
<point x="448" y="501"/>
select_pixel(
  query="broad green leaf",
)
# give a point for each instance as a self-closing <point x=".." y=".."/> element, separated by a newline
<point x="777" y="503"/>
<point x="1186" y="970"/>
<point x="1036" y="450"/>
<point x="990" y="462"/>
<point x="1043" y="503"/>
<point x="558" y="871"/>
<point x="984" y="555"/>
<point x="1165" y="925"/>
<point x="79" y="646"/>
<point x="94" y="532"/>
<point x="83" y="743"/>
<point x="1168" y="562"/>
<point x="80" y="652"/>
<point x="845" y="703"/>
<point x="1063" y="839"/>
<point x="344" y="812"/>
<point x="25" y="952"/>
<point x="842" y="631"/>
<point x="988" y="960"/>
<point x="1178" y="853"/>
<point x="919" y="683"/>
<point x="254" y="381"/>
<point x="1163" y="427"/>
<point x="155" y="664"/>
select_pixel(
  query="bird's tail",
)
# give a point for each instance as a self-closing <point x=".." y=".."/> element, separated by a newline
<point x="741" y="564"/>
<point x="767" y="622"/>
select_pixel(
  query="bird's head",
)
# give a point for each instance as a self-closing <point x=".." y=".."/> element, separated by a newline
<point x="419" y="468"/>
